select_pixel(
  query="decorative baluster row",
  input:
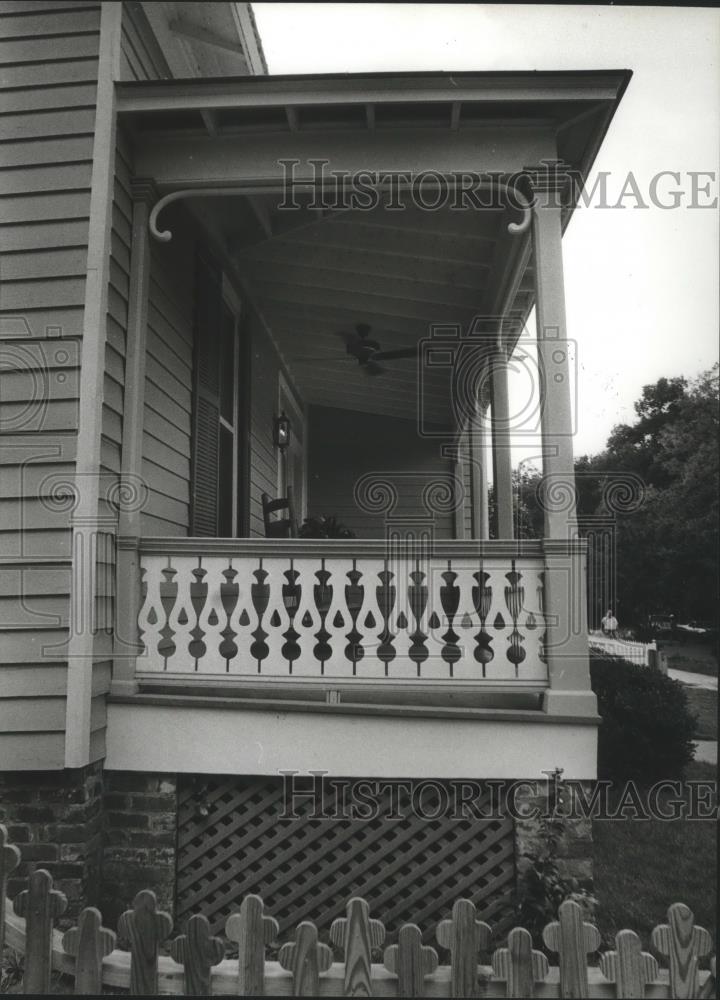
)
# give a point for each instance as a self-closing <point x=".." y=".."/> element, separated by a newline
<point x="343" y="618"/>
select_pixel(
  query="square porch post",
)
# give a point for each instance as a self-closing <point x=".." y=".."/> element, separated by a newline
<point x="478" y="441"/>
<point x="133" y="490"/>
<point x="565" y="587"/>
<point x="500" y="435"/>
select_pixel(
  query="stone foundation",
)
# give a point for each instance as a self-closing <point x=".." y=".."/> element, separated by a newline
<point x="573" y="849"/>
<point x="104" y="835"/>
<point x="139" y="841"/>
<point x="55" y="818"/>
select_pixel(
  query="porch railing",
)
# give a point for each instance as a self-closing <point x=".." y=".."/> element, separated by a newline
<point x="464" y="611"/>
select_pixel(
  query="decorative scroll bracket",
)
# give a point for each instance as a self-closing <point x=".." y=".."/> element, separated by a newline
<point x="165" y="235"/>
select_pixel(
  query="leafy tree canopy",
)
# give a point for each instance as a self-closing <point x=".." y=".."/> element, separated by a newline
<point x="667" y="546"/>
<point x="657" y="480"/>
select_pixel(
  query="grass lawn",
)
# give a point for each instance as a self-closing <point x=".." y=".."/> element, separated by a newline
<point x="641" y="867"/>
<point x="696" y="657"/>
<point x="704" y="704"/>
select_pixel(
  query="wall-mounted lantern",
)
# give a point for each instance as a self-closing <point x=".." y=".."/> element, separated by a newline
<point x="282" y="431"/>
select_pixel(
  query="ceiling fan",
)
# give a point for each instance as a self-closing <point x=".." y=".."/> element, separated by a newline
<point x="365" y="350"/>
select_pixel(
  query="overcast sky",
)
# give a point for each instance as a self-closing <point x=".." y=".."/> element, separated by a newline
<point x="641" y="285"/>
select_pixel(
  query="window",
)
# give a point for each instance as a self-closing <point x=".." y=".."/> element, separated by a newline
<point x="220" y="367"/>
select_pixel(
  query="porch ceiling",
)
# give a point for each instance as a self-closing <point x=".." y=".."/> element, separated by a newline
<point x="314" y="278"/>
<point x="314" y="274"/>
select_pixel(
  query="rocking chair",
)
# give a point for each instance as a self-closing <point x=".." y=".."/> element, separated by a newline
<point x="282" y="527"/>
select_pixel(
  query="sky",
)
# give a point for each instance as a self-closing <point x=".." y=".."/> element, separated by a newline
<point x="641" y="284"/>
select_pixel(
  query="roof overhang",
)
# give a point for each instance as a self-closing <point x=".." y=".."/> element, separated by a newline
<point x="206" y="39"/>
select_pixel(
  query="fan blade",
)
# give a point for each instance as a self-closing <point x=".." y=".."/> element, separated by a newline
<point x="359" y="345"/>
<point x="320" y="360"/>
<point x="405" y="352"/>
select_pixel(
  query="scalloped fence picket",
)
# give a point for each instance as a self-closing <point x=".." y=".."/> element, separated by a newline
<point x="89" y="955"/>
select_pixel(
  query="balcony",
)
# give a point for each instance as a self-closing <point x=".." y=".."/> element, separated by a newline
<point x="307" y="654"/>
<point x="343" y="615"/>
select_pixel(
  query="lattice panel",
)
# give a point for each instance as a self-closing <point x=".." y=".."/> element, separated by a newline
<point x="232" y="841"/>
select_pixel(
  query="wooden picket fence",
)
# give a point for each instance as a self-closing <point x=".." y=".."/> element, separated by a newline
<point x="305" y="966"/>
<point x="643" y="654"/>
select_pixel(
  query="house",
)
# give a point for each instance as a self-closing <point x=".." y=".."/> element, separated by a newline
<point x="192" y="254"/>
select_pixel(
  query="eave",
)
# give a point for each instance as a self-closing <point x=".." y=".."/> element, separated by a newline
<point x="379" y="88"/>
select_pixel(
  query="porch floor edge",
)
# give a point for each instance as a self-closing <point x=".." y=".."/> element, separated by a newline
<point x="229" y="703"/>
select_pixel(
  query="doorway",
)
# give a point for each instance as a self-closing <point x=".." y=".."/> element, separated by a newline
<point x="292" y="461"/>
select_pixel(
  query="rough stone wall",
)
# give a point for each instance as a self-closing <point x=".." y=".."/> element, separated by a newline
<point x="573" y="852"/>
<point x="105" y="835"/>
<point x="55" y="818"/>
<point x="139" y="840"/>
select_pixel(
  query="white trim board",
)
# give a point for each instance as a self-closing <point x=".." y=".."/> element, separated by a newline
<point x="154" y="738"/>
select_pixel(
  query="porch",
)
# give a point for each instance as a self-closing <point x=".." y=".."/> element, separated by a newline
<point x="434" y="610"/>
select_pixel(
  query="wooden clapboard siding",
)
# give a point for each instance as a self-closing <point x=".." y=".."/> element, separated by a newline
<point x="467" y="507"/>
<point x="168" y="385"/>
<point x="31" y="751"/>
<point x="345" y="445"/>
<point x="21" y="611"/>
<point x="141" y="57"/>
<point x="48" y="679"/>
<point x="35" y="468"/>
<point x="48" y="85"/>
<point x="464" y="513"/>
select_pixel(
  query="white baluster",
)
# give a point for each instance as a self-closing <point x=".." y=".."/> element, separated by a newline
<point x="338" y="665"/>
<point x="183" y="618"/>
<point x="499" y="668"/>
<point x="435" y="668"/>
<point x="532" y="668"/>
<point x="213" y="662"/>
<point x="151" y="619"/>
<point x="402" y="665"/>
<point x="306" y="665"/>
<point x="467" y="643"/>
<point x="424" y="566"/>
<point x="370" y="665"/>
<point x="275" y="664"/>
<point x="466" y="623"/>
<point x="243" y="619"/>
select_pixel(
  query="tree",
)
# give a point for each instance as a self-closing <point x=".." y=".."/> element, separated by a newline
<point x="527" y="509"/>
<point x="668" y="544"/>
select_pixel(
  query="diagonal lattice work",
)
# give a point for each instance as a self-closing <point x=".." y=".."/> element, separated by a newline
<point x="405" y="848"/>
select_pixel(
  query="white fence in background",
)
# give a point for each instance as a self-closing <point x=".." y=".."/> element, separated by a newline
<point x="641" y="653"/>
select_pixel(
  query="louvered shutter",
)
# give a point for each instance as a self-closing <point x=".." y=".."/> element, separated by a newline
<point x="206" y="401"/>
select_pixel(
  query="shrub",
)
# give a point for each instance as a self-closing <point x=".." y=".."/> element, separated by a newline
<point x="647" y="728"/>
<point x="543" y="888"/>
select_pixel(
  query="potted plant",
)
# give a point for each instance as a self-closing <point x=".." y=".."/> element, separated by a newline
<point x="324" y="527"/>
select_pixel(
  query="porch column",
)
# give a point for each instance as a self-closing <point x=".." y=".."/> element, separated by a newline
<point x="501" y="453"/>
<point x="565" y="612"/>
<point x="132" y="486"/>
<point x="478" y="442"/>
